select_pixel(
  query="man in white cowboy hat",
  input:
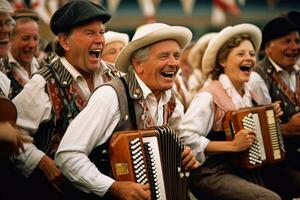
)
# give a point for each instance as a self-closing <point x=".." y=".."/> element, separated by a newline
<point x="228" y="60"/>
<point x="151" y="61"/>
<point x="114" y="43"/>
<point x="281" y="73"/>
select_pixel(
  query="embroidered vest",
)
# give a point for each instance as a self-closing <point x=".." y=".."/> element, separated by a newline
<point x="290" y="101"/>
<point x="143" y="116"/>
<point x="67" y="101"/>
<point x="17" y="83"/>
<point x="279" y="90"/>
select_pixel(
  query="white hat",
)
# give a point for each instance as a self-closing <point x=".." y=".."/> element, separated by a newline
<point x="149" y="34"/>
<point x="209" y="58"/>
<point x="196" y="54"/>
<point x="5" y="7"/>
<point x="112" y="36"/>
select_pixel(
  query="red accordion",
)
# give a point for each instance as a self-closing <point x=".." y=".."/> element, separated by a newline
<point x="268" y="147"/>
<point x="150" y="156"/>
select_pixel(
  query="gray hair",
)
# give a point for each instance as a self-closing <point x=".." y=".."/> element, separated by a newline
<point x="142" y="53"/>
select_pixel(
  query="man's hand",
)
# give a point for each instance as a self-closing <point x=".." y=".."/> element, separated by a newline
<point x="129" y="191"/>
<point x="292" y="127"/>
<point x="11" y="139"/>
<point x="188" y="159"/>
<point x="53" y="174"/>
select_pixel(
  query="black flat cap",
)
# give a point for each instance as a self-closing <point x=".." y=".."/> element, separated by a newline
<point x="276" y="28"/>
<point x="76" y="13"/>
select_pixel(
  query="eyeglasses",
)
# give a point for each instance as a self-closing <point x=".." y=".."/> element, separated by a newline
<point x="7" y="22"/>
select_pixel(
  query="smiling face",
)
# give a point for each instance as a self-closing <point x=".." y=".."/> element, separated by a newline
<point x="83" y="46"/>
<point x="5" y="33"/>
<point x="111" y="51"/>
<point x="159" y="69"/>
<point x="237" y="65"/>
<point x="24" y="41"/>
<point x="284" y="50"/>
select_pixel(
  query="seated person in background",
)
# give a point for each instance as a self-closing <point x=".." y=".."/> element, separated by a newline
<point x="150" y="61"/>
<point x="195" y="58"/>
<point x="281" y="73"/>
<point x="21" y="63"/>
<point x="228" y="60"/>
<point x="114" y="43"/>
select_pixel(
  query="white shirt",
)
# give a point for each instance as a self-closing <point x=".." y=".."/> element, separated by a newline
<point x="288" y="78"/>
<point x="34" y="66"/>
<point x="34" y="107"/>
<point x="4" y="83"/>
<point x="92" y="127"/>
<point x="198" y="119"/>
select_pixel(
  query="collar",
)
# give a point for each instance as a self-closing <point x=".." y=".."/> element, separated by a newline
<point x="75" y="74"/>
<point x="230" y="89"/>
<point x="296" y="68"/>
<point x="147" y="93"/>
<point x="34" y="66"/>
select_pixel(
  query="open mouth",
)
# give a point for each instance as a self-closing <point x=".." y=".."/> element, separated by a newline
<point x="168" y="74"/>
<point x="95" y="53"/>
<point x="245" y="68"/>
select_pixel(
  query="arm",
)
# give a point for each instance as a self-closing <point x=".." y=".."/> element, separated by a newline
<point x="11" y="140"/>
<point x="292" y="127"/>
<point x="259" y="87"/>
<point x="33" y="107"/>
<point x="196" y="123"/>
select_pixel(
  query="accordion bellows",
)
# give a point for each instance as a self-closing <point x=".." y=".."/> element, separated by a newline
<point x="150" y="156"/>
<point x="268" y="147"/>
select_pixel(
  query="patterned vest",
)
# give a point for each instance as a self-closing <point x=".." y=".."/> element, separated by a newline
<point x="279" y="90"/>
<point x="67" y="101"/>
<point x="143" y="117"/>
<point x="290" y="101"/>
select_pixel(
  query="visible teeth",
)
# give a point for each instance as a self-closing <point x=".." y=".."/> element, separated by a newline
<point x="168" y="74"/>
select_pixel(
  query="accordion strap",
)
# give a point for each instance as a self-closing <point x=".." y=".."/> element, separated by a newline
<point x="131" y="109"/>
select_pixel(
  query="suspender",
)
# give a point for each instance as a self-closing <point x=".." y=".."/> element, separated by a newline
<point x="131" y="109"/>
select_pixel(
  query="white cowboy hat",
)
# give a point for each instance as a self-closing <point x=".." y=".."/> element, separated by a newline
<point x="112" y="36"/>
<point x="196" y="54"/>
<point x="149" y="34"/>
<point x="209" y="58"/>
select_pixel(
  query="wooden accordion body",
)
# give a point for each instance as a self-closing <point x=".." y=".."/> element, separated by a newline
<point x="150" y="156"/>
<point x="268" y="147"/>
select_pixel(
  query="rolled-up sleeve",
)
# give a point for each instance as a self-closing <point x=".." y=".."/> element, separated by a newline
<point x="92" y="127"/>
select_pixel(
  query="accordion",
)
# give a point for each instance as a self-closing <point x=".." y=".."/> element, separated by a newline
<point x="268" y="147"/>
<point x="150" y="156"/>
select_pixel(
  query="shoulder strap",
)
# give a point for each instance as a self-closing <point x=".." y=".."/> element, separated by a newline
<point x="131" y="109"/>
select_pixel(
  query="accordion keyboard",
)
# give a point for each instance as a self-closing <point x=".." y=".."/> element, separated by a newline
<point x="255" y="156"/>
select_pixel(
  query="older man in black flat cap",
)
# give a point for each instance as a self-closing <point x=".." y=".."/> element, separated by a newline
<point x="58" y="92"/>
<point x="279" y="69"/>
